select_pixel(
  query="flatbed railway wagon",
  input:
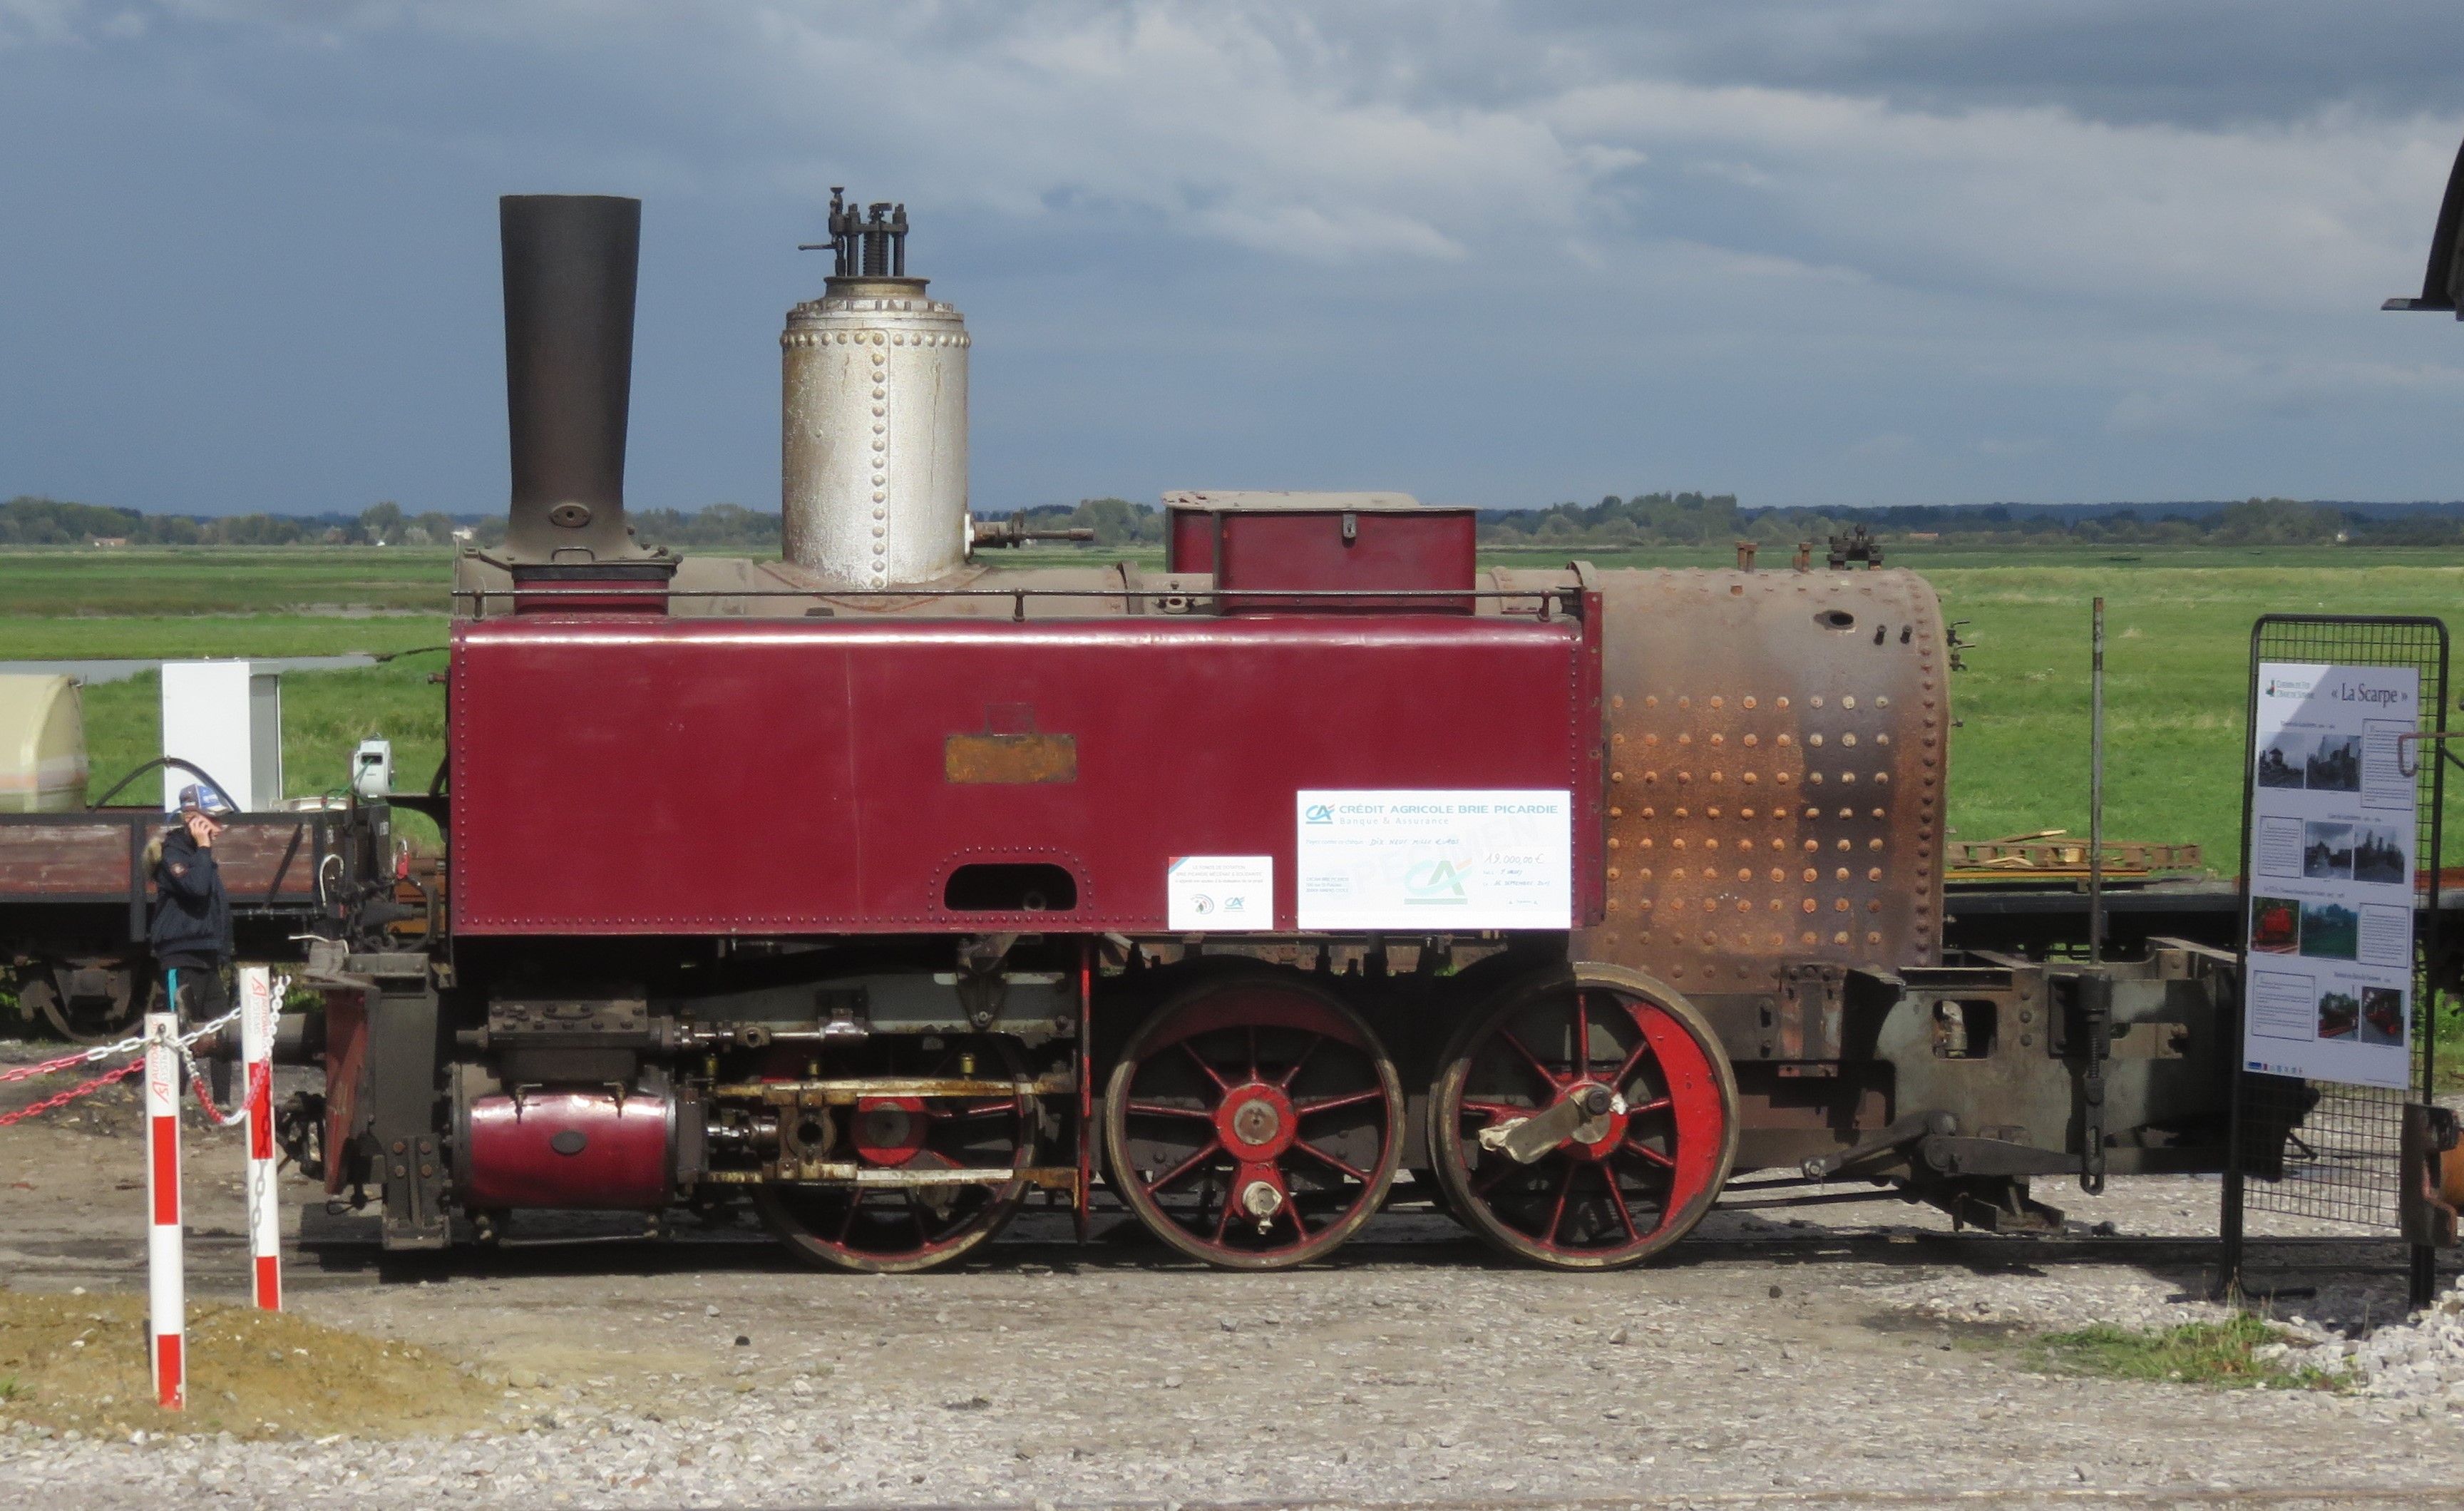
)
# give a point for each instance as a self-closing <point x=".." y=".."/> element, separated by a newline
<point x="76" y="893"/>
<point x="891" y="891"/>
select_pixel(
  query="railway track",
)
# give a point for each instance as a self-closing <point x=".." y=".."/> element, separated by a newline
<point x="343" y="1252"/>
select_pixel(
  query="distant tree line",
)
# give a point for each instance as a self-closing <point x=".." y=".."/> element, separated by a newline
<point x="1693" y="518"/>
<point x="53" y="521"/>
<point x="1641" y="520"/>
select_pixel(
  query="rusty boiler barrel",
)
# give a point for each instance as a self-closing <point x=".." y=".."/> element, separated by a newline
<point x="1778" y="752"/>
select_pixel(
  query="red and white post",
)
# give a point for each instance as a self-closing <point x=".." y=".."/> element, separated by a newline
<point x="166" y="1289"/>
<point x="257" y="1010"/>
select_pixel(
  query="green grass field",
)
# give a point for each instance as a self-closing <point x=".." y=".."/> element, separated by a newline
<point x="2178" y="625"/>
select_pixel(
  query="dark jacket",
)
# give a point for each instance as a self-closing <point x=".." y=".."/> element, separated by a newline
<point x="192" y="915"/>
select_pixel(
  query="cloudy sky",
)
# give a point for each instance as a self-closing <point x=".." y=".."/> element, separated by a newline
<point x="1907" y="250"/>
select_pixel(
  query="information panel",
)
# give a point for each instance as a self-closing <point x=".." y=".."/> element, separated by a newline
<point x="1435" y="861"/>
<point x="1205" y="894"/>
<point x="2329" y="994"/>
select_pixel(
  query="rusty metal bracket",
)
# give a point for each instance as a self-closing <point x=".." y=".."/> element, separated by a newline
<point x="1903" y="1132"/>
<point x="2096" y="1020"/>
<point x="1958" y="1156"/>
<point x="2412" y="768"/>
<point x="2432" y="1188"/>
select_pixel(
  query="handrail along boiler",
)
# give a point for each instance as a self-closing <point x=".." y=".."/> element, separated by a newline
<point x="843" y="884"/>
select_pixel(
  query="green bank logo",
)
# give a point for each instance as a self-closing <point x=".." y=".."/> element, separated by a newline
<point x="1435" y="883"/>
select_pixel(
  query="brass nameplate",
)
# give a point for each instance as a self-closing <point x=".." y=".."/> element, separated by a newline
<point x="1015" y="760"/>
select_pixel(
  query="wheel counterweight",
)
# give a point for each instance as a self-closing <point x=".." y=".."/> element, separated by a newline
<point x="1584" y="1122"/>
<point x="1252" y="1123"/>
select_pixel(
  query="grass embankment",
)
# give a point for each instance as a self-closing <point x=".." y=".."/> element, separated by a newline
<point x="222" y="581"/>
<point x="305" y="601"/>
<point x="2228" y="1354"/>
<point x="2177" y="657"/>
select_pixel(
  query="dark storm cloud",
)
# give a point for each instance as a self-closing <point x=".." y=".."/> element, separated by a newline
<point x="1511" y="253"/>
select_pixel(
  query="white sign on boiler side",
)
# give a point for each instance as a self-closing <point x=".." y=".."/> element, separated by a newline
<point x="1433" y="862"/>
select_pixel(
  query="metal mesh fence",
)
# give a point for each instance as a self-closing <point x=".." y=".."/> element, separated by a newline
<point x="2324" y="1149"/>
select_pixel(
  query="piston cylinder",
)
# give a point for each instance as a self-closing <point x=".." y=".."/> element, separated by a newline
<point x="873" y="462"/>
<point x="589" y="1149"/>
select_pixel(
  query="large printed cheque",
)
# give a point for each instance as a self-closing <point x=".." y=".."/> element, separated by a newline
<point x="1436" y="861"/>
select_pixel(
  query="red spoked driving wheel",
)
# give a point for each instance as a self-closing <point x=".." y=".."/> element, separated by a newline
<point x="1584" y="1122"/>
<point x="893" y="1216"/>
<point x="1253" y="1123"/>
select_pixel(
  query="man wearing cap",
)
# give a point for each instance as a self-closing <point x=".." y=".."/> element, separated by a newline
<point x="191" y="933"/>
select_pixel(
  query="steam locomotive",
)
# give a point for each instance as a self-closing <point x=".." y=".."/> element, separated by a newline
<point x="890" y="891"/>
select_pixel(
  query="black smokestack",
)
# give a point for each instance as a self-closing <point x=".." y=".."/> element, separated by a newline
<point x="570" y="261"/>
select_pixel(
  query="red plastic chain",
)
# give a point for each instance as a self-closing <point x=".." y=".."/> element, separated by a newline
<point x="29" y="1072"/>
<point x="63" y="1099"/>
<point x="81" y="1057"/>
<point x="206" y="1100"/>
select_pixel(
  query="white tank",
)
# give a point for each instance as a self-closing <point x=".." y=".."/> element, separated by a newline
<point x="42" y="744"/>
<point x="873" y="458"/>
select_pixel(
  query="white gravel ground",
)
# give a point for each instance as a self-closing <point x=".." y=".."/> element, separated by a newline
<point x="1427" y="1378"/>
<point x="1839" y="1354"/>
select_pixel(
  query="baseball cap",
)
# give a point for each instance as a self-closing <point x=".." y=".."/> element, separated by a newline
<point x="197" y="797"/>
